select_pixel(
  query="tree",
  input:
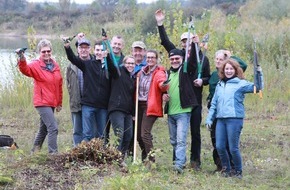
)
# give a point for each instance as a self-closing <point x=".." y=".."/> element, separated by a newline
<point x="13" y="5"/>
<point x="64" y="5"/>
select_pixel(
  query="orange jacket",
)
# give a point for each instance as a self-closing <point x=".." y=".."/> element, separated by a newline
<point x="47" y="84"/>
<point x="156" y="89"/>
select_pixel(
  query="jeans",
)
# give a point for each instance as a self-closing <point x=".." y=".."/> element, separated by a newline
<point x="215" y="155"/>
<point x="122" y="126"/>
<point x="48" y="126"/>
<point x="77" y="127"/>
<point x="94" y="122"/>
<point x="178" y="129"/>
<point x="195" y="121"/>
<point x="229" y="131"/>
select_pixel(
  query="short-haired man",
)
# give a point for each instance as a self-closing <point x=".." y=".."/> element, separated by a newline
<point x="74" y="82"/>
<point x="96" y="89"/>
<point x="117" y="44"/>
<point x="139" y="52"/>
<point x="196" y="114"/>
<point x="181" y="101"/>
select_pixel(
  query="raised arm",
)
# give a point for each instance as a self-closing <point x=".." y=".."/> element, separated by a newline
<point x="72" y="57"/>
<point x="165" y="42"/>
<point x="111" y="67"/>
<point x="192" y="60"/>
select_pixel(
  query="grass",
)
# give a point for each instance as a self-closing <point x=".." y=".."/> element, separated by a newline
<point x="264" y="146"/>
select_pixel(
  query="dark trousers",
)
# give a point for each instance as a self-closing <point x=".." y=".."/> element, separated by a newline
<point x="122" y="126"/>
<point x="107" y="131"/>
<point x="195" y="121"/>
<point x="131" y="146"/>
<point x="144" y="135"/>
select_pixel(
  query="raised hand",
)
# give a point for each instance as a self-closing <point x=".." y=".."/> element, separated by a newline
<point x="160" y="17"/>
<point x="80" y="35"/>
<point x="66" y="41"/>
<point x="20" y="52"/>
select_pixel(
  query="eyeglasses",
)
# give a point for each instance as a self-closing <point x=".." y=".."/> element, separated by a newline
<point x="84" y="48"/>
<point x="130" y="63"/>
<point x="45" y="51"/>
<point x="174" y="58"/>
<point x="150" y="57"/>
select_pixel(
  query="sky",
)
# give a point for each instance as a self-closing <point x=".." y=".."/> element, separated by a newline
<point x="86" y="1"/>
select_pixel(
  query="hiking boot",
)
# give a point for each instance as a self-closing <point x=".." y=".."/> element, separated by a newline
<point x="149" y="164"/>
<point x="238" y="174"/>
<point x="178" y="169"/>
<point x="35" y="149"/>
<point x="195" y="166"/>
<point x="218" y="169"/>
<point x="225" y="173"/>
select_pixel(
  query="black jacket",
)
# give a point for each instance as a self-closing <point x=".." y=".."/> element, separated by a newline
<point x="121" y="59"/>
<point x="168" y="45"/>
<point x="186" y="90"/>
<point x="122" y="92"/>
<point x="97" y="87"/>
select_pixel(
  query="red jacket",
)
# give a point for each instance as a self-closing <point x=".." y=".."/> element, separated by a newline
<point x="47" y="84"/>
<point x="154" y="101"/>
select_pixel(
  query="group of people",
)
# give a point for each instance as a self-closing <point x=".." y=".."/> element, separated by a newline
<point x="103" y="91"/>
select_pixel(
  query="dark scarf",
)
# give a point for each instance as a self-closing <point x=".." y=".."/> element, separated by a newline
<point x="227" y="79"/>
<point x="48" y="66"/>
<point x="175" y="70"/>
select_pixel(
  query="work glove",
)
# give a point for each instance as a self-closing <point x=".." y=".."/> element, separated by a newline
<point x="20" y="52"/>
<point x="208" y="126"/>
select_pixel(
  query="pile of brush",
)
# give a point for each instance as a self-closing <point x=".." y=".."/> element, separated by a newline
<point x="94" y="151"/>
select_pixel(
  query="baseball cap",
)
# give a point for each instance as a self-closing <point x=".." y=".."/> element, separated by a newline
<point x="184" y="35"/>
<point x="84" y="41"/>
<point x="139" y="44"/>
<point x="175" y="52"/>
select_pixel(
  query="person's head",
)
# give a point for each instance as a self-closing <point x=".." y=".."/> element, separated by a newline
<point x="138" y="51"/>
<point x="151" y="57"/>
<point x="230" y="68"/>
<point x="44" y="48"/>
<point x="175" y="58"/>
<point x="98" y="48"/>
<point x="129" y="63"/>
<point x="117" y="44"/>
<point x="220" y="56"/>
<point x="84" y="48"/>
<point x="183" y="39"/>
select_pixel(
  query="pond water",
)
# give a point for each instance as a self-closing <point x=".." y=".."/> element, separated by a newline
<point x="8" y="58"/>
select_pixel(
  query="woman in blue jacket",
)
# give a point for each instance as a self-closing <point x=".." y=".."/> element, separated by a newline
<point x="220" y="57"/>
<point x="227" y="107"/>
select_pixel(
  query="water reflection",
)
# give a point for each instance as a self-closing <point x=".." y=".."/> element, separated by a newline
<point x="8" y="59"/>
<point x="12" y="42"/>
<point x="7" y="62"/>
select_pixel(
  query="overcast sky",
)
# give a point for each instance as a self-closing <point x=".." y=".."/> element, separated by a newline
<point x="86" y="1"/>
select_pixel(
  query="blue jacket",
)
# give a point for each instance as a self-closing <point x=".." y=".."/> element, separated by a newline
<point x="228" y="99"/>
